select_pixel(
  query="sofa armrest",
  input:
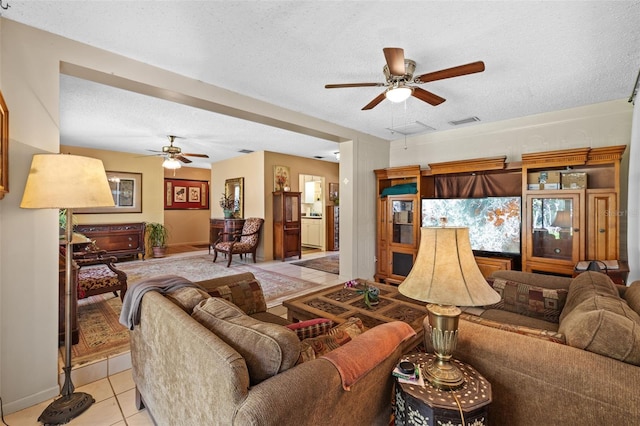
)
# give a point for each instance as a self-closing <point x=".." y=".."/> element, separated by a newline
<point x="317" y="386"/>
<point x="535" y="380"/>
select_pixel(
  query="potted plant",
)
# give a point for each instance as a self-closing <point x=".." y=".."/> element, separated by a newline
<point x="229" y="205"/>
<point x="157" y="235"/>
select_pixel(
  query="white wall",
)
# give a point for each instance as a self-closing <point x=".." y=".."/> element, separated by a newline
<point x="603" y="124"/>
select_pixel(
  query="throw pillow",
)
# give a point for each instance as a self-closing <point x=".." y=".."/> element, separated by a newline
<point x="247" y="295"/>
<point x="312" y="348"/>
<point x="529" y="300"/>
<point x="632" y="296"/>
<point x="187" y="297"/>
<point x="267" y="349"/>
<point x="311" y="328"/>
<point x="604" y="325"/>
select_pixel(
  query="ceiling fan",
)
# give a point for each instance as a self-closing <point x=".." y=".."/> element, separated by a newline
<point x="399" y="77"/>
<point x="173" y="154"/>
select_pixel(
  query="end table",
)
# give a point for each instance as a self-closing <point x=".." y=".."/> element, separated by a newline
<point x="427" y="405"/>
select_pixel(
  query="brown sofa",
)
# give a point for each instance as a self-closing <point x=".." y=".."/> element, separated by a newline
<point x="187" y="374"/>
<point x="582" y="369"/>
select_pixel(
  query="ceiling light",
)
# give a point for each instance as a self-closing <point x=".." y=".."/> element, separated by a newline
<point x="171" y="163"/>
<point x="398" y="94"/>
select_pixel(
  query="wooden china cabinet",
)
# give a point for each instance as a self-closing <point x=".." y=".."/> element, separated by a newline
<point x="398" y="222"/>
<point x="564" y="226"/>
<point x="287" y="212"/>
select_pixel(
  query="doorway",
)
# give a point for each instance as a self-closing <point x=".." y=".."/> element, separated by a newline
<point x="313" y="208"/>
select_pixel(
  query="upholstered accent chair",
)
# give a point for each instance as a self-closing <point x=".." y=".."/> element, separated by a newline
<point x="239" y="243"/>
<point x="98" y="275"/>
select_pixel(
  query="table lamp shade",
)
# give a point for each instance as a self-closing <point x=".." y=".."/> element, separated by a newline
<point x="60" y="181"/>
<point x="563" y="219"/>
<point x="445" y="271"/>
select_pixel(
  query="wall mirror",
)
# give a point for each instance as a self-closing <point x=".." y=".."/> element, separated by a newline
<point x="236" y="187"/>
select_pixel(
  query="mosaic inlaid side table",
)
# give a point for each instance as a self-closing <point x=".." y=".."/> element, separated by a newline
<point x="427" y="405"/>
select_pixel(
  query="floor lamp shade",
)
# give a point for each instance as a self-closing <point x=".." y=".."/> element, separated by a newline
<point x="60" y="181"/>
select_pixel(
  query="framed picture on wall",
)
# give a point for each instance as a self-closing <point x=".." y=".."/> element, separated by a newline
<point x="281" y="178"/>
<point x="4" y="148"/>
<point x="186" y="194"/>
<point x="126" y="189"/>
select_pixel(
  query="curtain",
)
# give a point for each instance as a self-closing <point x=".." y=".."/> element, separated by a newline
<point x="478" y="185"/>
<point x="633" y="199"/>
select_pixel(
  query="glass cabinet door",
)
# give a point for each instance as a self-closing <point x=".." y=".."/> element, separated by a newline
<point x="402" y="221"/>
<point x="554" y="227"/>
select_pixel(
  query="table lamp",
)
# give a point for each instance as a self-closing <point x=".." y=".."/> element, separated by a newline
<point x="445" y="275"/>
<point x="58" y="181"/>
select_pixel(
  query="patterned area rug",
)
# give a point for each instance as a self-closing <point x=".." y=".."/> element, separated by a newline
<point x="330" y="264"/>
<point x="201" y="267"/>
<point x="100" y="333"/>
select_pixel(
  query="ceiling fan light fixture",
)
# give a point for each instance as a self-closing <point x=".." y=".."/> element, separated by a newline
<point x="398" y="94"/>
<point x="171" y="163"/>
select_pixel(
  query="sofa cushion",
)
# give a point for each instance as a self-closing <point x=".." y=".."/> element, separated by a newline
<point x="584" y="287"/>
<point x="267" y="349"/>
<point x="188" y="297"/>
<point x="312" y="348"/>
<point x="605" y="325"/>
<point x="529" y="300"/>
<point x="550" y="335"/>
<point x="245" y="294"/>
<point x="632" y="296"/>
<point x="311" y="328"/>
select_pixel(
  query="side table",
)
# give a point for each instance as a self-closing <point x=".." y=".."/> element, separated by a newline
<point x="418" y="405"/>
<point x="618" y="273"/>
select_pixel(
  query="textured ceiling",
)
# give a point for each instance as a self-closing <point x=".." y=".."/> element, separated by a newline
<point x="540" y="56"/>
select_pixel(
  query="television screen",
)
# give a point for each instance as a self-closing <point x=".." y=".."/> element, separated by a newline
<point x="494" y="222"/>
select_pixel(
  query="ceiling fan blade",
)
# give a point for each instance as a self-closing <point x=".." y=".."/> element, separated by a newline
<point x="374" y="102"/>
<point x="395" y="60"/>
<point x="153" y="150"/>
<point x="185" y="160"/>
<point x="471" y="68"/>
<point x="426" y="96"/>
<point x="340" y="86"/>
<point x="196" y="155"/>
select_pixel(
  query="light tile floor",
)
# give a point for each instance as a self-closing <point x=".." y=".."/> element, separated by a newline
<point x="111" y="385"/>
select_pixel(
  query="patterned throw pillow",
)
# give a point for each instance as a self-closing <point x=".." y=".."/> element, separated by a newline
<point x="311" y="328"/>
<point x="247" y="295"/>
<point x="312" y="348"/>
<point x="525" y="299"/>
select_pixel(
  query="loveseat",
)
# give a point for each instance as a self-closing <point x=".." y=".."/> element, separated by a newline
<point x="582" y="369"/>
<point x="201" y="360"/>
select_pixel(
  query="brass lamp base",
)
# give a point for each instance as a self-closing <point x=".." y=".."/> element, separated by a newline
<point x="442" y="323"/>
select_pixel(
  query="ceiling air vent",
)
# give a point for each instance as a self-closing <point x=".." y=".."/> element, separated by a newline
<point x="464" y="121"/>
<point x="246" y="151"/>
<point x="411" y="129"/>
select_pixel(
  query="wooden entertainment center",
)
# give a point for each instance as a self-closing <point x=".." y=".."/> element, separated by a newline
<point x="549" y="243"/>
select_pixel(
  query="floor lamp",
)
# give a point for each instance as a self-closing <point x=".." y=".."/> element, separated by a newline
<point x="58" y="181"/>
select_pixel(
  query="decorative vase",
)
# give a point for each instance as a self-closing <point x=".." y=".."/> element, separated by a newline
<point x="228" y="214"/>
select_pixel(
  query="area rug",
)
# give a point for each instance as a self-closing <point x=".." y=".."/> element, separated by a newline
<point x="275" y="286"/>
<point x="100" y="334"/>
<point x="330" y="264"/>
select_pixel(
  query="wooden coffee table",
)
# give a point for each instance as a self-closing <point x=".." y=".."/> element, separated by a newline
<point x="339" y="303"/>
